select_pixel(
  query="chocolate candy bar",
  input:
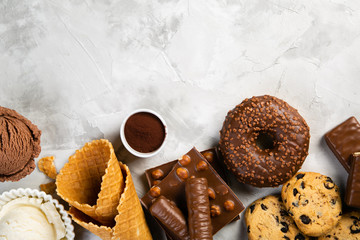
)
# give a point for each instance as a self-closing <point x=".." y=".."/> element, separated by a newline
<point x="198" y="205"/>
<point x="156" y="174"/>
<point x="170" y="217"/>
<point x="352" y="196"/>
<point x="224" y="204"/>
<point x="343" y="140"/>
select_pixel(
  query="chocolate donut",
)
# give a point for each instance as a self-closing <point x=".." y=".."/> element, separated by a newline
<point x="264" y="141"/>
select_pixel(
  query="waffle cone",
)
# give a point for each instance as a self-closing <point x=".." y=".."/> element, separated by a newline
<point x="92" y="181"/>
<point x="130" y="220"/>
<point x="83" y="220"/>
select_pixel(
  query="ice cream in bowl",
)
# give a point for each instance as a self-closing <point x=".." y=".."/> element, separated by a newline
<point x="29" y="214"/>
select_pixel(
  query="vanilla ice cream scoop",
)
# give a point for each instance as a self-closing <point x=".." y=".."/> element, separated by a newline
<point x="30" y="219"/>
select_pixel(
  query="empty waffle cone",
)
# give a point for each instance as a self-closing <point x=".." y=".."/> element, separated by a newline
<point x="85" y="221"/>
<point x="130" y="219"/>
<point x="92" y="181"/>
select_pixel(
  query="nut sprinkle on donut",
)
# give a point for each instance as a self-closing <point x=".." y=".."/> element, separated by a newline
<point x="264" y="141"/>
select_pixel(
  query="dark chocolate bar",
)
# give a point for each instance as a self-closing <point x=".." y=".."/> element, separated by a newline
<point x="156" y="174"/>
<point x="343" y="140"/>
<point x="352" y="196"/>
<point x="198" y="205"/>
<point x="170" y="217"/>
<point x="223" y="201"/>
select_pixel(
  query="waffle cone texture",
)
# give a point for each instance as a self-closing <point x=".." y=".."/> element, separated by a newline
<point x="102" y="194"/>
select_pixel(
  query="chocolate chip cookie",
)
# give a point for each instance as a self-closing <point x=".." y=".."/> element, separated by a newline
<point x="266" y="218"/>
<point x="313" y="200"/>
<point x="347" y="229"/>
<point x="289" y="184"/>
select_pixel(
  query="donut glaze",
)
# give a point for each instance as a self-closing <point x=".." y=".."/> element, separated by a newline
<point x="264" y="141"/>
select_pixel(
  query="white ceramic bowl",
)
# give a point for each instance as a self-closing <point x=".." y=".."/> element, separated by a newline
<point x="27" y="192"/>
<point x="128" y="147"/>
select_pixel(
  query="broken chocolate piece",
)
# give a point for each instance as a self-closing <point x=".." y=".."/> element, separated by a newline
<point x="343" y="140"/>
<point x="209" y="154"/>
<point x="198" y="205"/>
<point x="352" y="195"/>
<point x="173" y="188"/>
<point x="170" y="217"/>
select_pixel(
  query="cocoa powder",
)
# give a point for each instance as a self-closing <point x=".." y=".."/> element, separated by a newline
<point x="144" y="132"/>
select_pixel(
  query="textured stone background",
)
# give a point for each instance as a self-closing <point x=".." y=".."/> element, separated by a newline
<point x="76" y="68"/>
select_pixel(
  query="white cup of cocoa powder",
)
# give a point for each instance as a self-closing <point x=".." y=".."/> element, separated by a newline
<point x="143" y="133"/>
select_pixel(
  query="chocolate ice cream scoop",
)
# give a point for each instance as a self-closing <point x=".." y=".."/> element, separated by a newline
<point x="19" y="145"/>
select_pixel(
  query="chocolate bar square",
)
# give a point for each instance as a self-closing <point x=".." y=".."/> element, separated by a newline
<point x="156" y="174"/>
<point x="193" y="164"/>
<point x="343" y="140"/>
<point x="352" y="196"/>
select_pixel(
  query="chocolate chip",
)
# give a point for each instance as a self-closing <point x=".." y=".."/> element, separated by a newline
<point x="299" y="236"/>
<point x="302" y="185"/>
<point x="304" y="203"/>
<point x="264" y="207"/>
<point x="305" y="219"/>
<point x="252" y="207"/>
<point x="248" y="229"/>
<point x="333" y="201"/>
<point x="328" y="179"/>
<point x="295" y="191"/>
<point x="299" y="176"/>
<point x="286" y="238"/>
<point x="295" y="204"/>
<point x="284" y="213"/>
<point x="355" y="228"/>
<point x="329" y="184"/>
<point x="284" y="229"/>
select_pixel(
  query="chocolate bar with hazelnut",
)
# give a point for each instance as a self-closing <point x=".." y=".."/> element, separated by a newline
<point x="343" y="140"/>
<point x="352" y="195"/>
<point x="198" y="205"/>
<point x="170" y="217"/>
<point x="224" y="204"/>
<point x="156" y="174"/>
